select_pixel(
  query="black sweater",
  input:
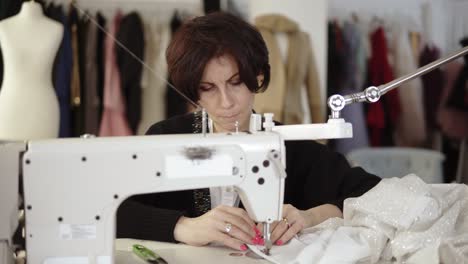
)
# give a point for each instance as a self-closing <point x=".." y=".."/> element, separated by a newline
<point x="315" y="176"/>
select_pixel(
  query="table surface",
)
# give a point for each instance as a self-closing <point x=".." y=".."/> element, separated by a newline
<point x="181" y="253"/>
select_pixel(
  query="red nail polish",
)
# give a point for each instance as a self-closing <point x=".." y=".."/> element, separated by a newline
<point x="257" y="232"/>
<point x="255" y="240"/>
<point x="261" y="242"/>
<point x="279" y="243"/>
<point x="243" y="247"/>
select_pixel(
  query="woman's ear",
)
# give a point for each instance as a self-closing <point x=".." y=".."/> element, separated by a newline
<point x="260" y="80"/>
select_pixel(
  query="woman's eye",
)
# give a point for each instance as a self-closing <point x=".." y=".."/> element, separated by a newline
<point x="205" y="88"/>
<point x="236" y="82"/>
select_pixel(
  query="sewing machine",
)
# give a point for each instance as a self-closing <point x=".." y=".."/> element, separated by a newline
<point x="73" y="187"/>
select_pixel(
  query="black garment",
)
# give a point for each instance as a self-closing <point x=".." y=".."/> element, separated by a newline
<point x="8" y="8"/>
<point x="100" y="62"/>
<point x="131" y="35"/>
<point x="458" y="99"/>
<point x="75" y="26"/>
<point x="316" y="176"/>
<point x="432" y="87"/>
<point x="175" y="103"/>
<point x="336" y="65"/>
<point x="210" y="6"/>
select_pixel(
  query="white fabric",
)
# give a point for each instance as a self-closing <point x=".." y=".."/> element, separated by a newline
<point x="399" y="220"/>
<point x="411" y="126"/>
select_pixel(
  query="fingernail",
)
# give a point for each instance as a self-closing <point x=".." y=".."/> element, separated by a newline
<point x="261" y="242"/>
<point x="255" y="240"/>
<point x="243" y="247"/>
<point x="257" y="232"/>
<point x="279" y="243"/>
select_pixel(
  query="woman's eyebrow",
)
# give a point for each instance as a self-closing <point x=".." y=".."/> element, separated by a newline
<point x="235" y="74"/>
<point x="230" y="78"/>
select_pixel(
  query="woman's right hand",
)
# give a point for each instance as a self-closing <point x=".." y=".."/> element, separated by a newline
<point x="213" y="227"/>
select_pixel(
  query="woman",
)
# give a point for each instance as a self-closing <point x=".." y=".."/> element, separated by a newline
<point x="220" y="62"/>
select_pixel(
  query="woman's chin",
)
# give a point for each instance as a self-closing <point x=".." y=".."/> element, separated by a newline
<point x="225" y="127"/>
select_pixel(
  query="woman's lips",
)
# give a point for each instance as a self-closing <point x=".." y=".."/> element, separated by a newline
<point x="229" y="116"/>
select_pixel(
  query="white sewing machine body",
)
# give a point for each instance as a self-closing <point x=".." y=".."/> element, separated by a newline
<point x="73" y="187"/>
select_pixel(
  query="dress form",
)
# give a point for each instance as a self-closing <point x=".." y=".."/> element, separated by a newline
<point x="28" y="103"/>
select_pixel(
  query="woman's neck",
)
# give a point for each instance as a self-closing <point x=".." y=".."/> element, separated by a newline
<point x="240" y="128"/>
<point x="31" y="9"/>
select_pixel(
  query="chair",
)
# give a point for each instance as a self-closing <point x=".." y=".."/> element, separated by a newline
<point x="388" y="162"/>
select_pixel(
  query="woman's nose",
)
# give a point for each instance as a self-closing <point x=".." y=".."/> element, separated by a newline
<point x="227" y="100"/>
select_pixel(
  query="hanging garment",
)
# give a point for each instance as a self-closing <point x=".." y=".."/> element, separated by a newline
<point x="283" y="96"/>
<point x="354" y="72"/>
<point x="462" y="168"/>
<point x="113" y="121"/>
<point x="415" y="42"/>
<point x="336" y="59"/>
<point x="153" y="84"/>
<point x="402" y="220"/>
<point x="453" y="113"/>
<point x="62" y="73"/>
<point x="131" y="35"/>
<point x="75" y="80"/>
<point x="383" y="115"/>
<point x="458" y="99"/>
<point x="433" y="83"/>
<point x="447" y="122"/>
<point x="100" y="63"/>
<point x="90" y="90"/>
<point x="8" y="8"/>
<point x="211" y="6"/>
<point x="411" y="126"/>
<point x="175" y="103"/>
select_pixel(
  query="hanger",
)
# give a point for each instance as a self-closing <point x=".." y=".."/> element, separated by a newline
<point x="375" y="23"/>
<point x="354" y="17"/>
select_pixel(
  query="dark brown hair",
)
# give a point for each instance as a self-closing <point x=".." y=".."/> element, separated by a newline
<point x="199" y="40"/>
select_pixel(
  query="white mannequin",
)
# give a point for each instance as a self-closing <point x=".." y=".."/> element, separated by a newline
<point x="28" y="103"/>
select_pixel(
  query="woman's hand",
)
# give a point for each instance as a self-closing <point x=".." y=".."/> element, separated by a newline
<point x="295" y="220"/>
<point x="227" y="225"/>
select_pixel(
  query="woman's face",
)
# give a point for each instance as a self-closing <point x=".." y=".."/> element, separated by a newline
<point x="224" y="96"/>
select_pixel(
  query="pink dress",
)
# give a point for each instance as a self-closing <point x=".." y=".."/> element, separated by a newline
<point x="113" y="121"/>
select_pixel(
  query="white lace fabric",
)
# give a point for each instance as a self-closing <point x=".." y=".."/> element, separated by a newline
<point x="401" y="220"/>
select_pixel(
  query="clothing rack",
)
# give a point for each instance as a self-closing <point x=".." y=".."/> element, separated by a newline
<point x="163" y="9"/>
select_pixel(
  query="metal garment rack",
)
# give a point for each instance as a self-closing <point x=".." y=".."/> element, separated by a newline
<point x="163" y="9"/>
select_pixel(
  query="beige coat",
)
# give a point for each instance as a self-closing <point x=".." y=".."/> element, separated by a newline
<point x="287" y="78"/>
